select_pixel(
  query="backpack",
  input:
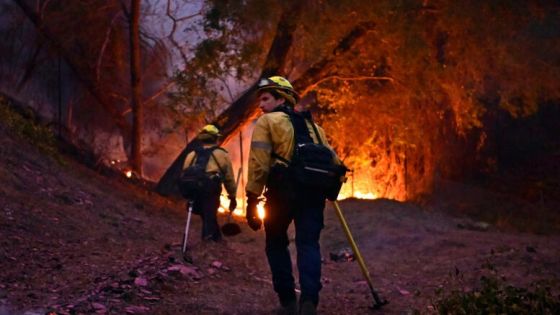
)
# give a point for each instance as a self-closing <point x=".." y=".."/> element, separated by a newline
<point x="195" y="181"/>
<point x="313" y="164"/>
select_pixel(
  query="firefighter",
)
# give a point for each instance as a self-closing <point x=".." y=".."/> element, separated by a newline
<point x="272" y="147"/>
<point x="218" y="171"/>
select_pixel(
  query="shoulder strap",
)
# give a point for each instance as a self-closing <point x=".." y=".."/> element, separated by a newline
<point x="216" y="160"/>
<point x="298" y="120"/>
<point x="203" y="156"/>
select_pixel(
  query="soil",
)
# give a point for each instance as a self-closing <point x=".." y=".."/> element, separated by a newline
<point x="76" y="242"/>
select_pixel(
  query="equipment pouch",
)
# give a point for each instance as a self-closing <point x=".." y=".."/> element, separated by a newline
<point x="280" y="183"/>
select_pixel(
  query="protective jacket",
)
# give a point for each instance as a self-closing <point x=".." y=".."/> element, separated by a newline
<point x="219" y="163"/>
<point x="272" y="142"/>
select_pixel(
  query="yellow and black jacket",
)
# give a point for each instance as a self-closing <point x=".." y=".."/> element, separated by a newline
<point x="273" y="133"/>
<point x="219" y="163"/>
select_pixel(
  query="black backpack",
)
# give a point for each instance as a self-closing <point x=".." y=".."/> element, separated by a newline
<point x="194" y="181"/>
<point x="312" y="166"/>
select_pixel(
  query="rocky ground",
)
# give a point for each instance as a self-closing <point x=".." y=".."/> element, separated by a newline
<point x="76" y="242"/>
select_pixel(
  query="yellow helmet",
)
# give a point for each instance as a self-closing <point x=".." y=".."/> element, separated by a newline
<point x="280" y="85"/>
<point x="209" y="134"/>
<point x="211" y="130"/>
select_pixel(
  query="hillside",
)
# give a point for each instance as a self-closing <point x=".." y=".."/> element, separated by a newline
<point x="76" y="242"/>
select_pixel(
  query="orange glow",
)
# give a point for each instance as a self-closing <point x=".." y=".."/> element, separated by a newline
<point x="260" y="210"/>
<point x="360" y="188"/>
<point x="224" y="205"/>
<point x="128" y="174"/>
<point x="239" y="211"/>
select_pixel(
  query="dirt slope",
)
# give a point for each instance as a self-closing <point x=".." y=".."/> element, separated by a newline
<point x="75" y="242"/>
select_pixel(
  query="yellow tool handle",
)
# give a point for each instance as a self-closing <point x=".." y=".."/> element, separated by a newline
<point x="346" y="229"/>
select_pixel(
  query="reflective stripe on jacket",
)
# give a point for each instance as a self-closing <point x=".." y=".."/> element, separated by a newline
<point x="221" y="157"/>
<point x="273" y="133"/>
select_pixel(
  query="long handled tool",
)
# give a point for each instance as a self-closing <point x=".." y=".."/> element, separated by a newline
<point x="377" y="302"/>
<point x="187" y="257"/>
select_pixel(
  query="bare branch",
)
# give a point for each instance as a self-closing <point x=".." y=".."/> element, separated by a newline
<point x="323" y="67"/>
<point x="162" y="90"/>
<point x="231" y="99"/>
<point x="104" y="46"/>
<point x="174" y="28"/>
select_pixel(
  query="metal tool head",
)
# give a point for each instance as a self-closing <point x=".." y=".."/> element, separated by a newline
<point x="231" y="229"/>
<point x="378" y="304"/>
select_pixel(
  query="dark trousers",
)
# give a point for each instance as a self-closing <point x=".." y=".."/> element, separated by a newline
<point x="207" y="207"/>
<point x="306" y="210"/>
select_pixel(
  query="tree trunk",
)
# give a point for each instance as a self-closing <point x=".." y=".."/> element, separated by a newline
<point x="135" y="82"/>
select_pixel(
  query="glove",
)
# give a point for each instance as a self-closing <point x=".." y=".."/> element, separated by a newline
<point x="232" y="203"/>
<point x="252" y="217"/>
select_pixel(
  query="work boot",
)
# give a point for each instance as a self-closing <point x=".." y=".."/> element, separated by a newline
<point x="289" y="308"/>
<point x="307" y="308"/>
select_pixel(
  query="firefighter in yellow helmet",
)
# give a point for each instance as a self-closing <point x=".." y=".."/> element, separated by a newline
<point x="219" y="171"/>
<point x="272" y="148"/>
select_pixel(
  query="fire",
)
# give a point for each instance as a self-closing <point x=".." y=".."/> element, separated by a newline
<point x="239" y="211"/>
<point x="357" y="194"/>
<point x="260" y="210"/>
<point x="363" y="189"/>
<point x="224" y="205"/>
<point x="128" y="173"/>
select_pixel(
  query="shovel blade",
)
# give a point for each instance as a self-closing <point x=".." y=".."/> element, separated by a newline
<point x="231" y="229"/>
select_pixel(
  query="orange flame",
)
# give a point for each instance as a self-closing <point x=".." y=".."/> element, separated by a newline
<point x="260" y="210"/>
<point x="239" y="211"/>
<point x="360" y="188"/>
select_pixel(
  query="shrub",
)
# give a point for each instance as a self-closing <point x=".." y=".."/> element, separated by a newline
<point x="497" y="297"/>
<point x="27" y="128"/>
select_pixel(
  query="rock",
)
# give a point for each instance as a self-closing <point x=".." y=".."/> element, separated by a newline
<point x="345" y="254"/>
<point x="474" y="226"/>
<point x="135" y="309"/>
<point x="217" y="264"/>
<point x="403" y="292"/>
<point x="151" y="298"/>
<point x="141" y="281"/>
<point x="211" y="271"/>
<point x="99" y="308"/>
<point x="185" y="271"/>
